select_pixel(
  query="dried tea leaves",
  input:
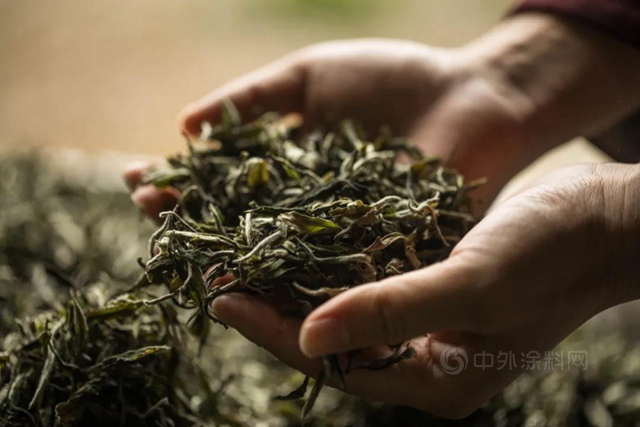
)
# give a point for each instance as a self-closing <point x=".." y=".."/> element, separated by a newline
<point x="301" y="217"/>
<point x="70" y="353"/>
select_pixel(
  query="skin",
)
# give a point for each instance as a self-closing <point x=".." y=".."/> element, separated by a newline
<point x="534" y="269"/>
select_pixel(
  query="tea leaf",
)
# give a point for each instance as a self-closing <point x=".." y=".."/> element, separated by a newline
<point x="258" y="174"/>
<point x="308" y="225"/>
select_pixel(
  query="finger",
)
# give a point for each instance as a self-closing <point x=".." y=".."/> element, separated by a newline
<point x="276" y="87"/>
<point x="152" y="201"/>
<point x="394" y="310"/>
<point x="265" y="326"/>
<point x="220" y="281"/>
<point x="134" y="172"/>
<point x="419" y="382"/>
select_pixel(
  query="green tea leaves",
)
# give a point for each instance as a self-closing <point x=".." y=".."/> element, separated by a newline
<point x="270" y="213"/>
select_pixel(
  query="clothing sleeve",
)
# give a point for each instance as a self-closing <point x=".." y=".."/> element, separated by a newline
<point x="621" y="19"/>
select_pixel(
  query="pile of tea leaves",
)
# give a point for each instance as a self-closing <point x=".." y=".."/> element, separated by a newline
<point x="72" y="354"/>
<point x="304" y="217"/>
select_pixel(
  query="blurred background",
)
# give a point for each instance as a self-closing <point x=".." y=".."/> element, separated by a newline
<point x="94" y="83"/>
<point x="111" y="76"/>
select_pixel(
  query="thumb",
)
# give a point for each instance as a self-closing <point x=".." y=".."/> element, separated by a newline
<point x="276" y="87"/>
<point x="438" y="298"/>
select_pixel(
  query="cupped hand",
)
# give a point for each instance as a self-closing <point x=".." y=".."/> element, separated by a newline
<point x="439" y="98"/>
<point x="532" y="271"/>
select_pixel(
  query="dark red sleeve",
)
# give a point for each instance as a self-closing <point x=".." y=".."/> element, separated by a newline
<point x="620" y="18"/>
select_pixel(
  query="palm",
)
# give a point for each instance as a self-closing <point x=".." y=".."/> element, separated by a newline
<point x="428" y="94"/>
<point x="422" y="93"/>
<point x="470" y="304"/>
<point x="374" y="82"/>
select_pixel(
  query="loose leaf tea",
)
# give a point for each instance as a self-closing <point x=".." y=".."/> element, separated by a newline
<point x="301" y="217"/>
<point x="82" y="365"/>
<point x="70" y="353"/>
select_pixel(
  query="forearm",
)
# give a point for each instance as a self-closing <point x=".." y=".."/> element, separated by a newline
<point x="574" y="80"/>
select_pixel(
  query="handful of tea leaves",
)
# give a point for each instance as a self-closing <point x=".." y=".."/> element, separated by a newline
<point x="302" y="217"/>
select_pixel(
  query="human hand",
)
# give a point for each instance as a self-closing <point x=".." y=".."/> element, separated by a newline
<point x="425" y="93"/>
<point x="431" y="95"/>
<point x="532" y="271"/>
<point x="488" y="109"/>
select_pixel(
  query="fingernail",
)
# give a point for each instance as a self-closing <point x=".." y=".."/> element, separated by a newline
<point x="323" y="336"/>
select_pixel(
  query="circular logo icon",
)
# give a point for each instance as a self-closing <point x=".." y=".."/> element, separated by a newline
<point x="454" y="360"/>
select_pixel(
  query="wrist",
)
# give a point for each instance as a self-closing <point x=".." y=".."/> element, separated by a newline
<point x="565" y="79"/>
<point x="596" y="211"/>
<point x="621" y="214"/>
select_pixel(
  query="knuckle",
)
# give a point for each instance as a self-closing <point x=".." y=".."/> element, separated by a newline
<point x="185" y="118"/>
<point x="393" y="325"/>
<point x="477" y="299"/>
<point x="304" y="56"/>
<point x="481" y="314"/>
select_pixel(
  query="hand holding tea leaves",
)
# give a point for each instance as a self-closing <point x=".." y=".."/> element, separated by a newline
<point x="299" y="221"/>
<point x="424" y="93"/>
<point x="486" y="109"/>
<point x="504" y="288"/>
<point x="531" y="272"/>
